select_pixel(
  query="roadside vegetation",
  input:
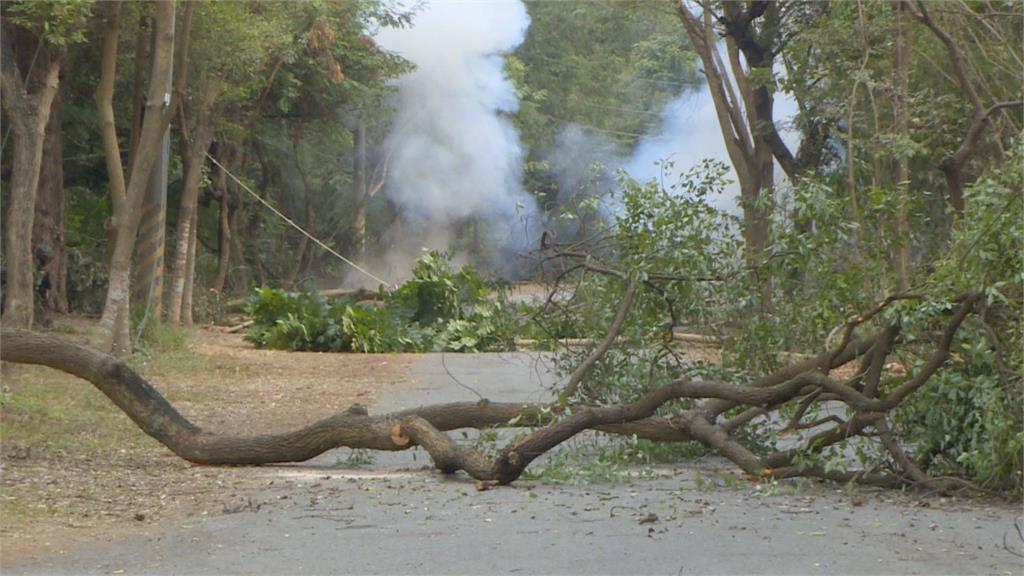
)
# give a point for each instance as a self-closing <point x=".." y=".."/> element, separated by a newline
<point x="440" y="309"/>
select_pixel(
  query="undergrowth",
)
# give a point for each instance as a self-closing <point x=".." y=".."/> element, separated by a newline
<point x="440" y="309"/>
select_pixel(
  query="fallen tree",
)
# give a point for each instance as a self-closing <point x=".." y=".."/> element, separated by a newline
<point x="801" y="383"/>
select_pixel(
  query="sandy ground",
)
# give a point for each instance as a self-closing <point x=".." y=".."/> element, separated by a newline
<point x="75" y="486"/>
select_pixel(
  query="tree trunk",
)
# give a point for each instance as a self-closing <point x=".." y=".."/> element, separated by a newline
<point x="224" y="239"/>
<point x="744" y="117"/>
<point x="150" y="244"/>
<point x="112" y="331"/>
<point x="194" y="162"/>
<point x="143" y="39"/>
<point x="190" y="275"/>
<point x="48" y="227"/>
<point x="901" y="124"/>
<point x="300" y="253"/>
<point x="244" y="274"/>
<point x="28" y="113"/>
<point x="359" y="196"/>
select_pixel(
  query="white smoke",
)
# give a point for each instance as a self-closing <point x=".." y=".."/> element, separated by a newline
<point x="455" y="156"/>
<point x="689" y="132"/>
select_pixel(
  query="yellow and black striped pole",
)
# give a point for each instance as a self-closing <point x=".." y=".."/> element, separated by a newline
<point x="149" y="245"/>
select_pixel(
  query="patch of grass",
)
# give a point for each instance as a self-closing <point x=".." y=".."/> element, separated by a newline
<point x="50" y="410"/>
<point x="65" y="328"/>
<point x="19" y="512"/>
<point x="164" y="350"/>
<point x="161" y="337"/>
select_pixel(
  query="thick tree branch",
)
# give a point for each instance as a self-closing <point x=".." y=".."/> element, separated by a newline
<point x="862" y="403"/>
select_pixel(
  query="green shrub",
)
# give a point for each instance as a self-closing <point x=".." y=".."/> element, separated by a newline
<point x="440" y="309"/>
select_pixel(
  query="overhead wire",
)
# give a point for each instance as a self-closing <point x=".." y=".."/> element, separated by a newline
<point x="297" y="227"/>
<point x="633" y="76"/>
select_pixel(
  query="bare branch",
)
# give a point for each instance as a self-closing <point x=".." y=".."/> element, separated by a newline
<point x="587" y="366"/>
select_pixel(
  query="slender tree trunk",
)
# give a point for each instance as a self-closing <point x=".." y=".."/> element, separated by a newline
<point x="48" y="227"/>
<point x="112" y="153"/>
<point x="952" y="165"/>
<point x="300" y="253"/>
<point x="194" y="162"/>
<point x="901" y="114"/>
<point x="223" y="245"/>
<point x="253" y="223"/>
<point x="744" y="117"/>
<point x="359" y="196"/>
<point x="112" y="332"/>
<point x="224" y="233"/>
<point x="190" y="275"/>
<point x="242" y="278"/>
<point x="143" y="39"/>
<point x="27" y="114"/>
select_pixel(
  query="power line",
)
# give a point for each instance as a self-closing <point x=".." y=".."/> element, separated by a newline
<point x="666" y="82"/>
<point x="583" y="102"/>
<point x="296" y="226"/>
<point x="633" y="135"/>
<point x="631" y="76"/>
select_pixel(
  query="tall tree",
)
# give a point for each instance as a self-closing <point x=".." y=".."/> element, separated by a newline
<point x="48" y="228"/>
<point x="969" y="77"/>
<point x="743" y="100"/>
<point x="901" y="130"/>
<point x="29" y="85"/>
<point x="365" y="186"/>
<point x="113" y="332"/>
<point x="332" y="94"/>
<point x="607" y="66"/>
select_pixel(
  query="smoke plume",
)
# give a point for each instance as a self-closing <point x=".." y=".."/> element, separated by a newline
<point x="689" y="132"/>
<point x="455" y="157"/>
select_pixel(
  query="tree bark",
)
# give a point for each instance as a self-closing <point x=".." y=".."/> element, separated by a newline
<point x="113" y="330"/>
<point x="205" y="118"/>
<point x="28" y="105"/>
<point x="307" y="198"/>
<point x="952" y="165"/>
<point x="143" y="39"/>
<point x="244" y="273"/>
<point x="360" y="198"/>
<point x="901" y="124"/>
<point x="748" y="139"/>
<point x="48" y="227"/>
<point x="190" y="274"/>
<point x="224" y="239"/>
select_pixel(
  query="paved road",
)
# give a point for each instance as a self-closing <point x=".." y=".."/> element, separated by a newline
<point x="397" y="517"/>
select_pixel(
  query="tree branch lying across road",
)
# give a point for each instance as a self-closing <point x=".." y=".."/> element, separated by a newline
<point x="805" y="382"/>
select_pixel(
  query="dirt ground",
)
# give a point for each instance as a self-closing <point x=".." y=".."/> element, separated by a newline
<point x="74" y="469"/>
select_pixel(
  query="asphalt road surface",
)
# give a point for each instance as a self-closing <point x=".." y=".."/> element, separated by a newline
<point x="398" y="516"/>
